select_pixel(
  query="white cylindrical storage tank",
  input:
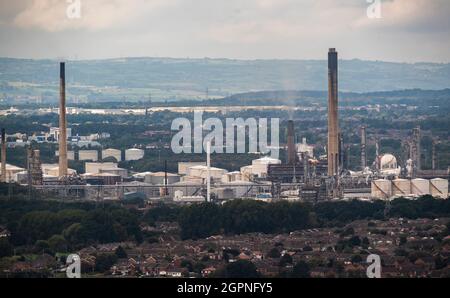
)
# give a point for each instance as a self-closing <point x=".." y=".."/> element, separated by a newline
<point x="134" y="154"/>
<point x="420" y="187"/>
<point x="439" y="188"/>
<point x="159" y="178"/>
<point x="381" y="189"/>
<point x="201" y="171"/>
<point x="401" y="187"/>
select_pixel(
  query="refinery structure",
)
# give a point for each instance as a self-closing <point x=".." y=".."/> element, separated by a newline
<point x="303" y="176"/>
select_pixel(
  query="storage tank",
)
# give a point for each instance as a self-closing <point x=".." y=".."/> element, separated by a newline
<point x="439" y="188"/>
<point x="201" y="171"/>
<point x="70" y="154"/>
<point x="158" y="178"/>
<point x="231" y="176"/>
<point x="117" y="154"/>
<point x="381" y="189"/>
<point x="401" y="187"/>
<point x="420" y="187"/>
<point x="134" y="154"/>
<point x="116" y="171"/>
<point x="88" y="155"/>
<point x="95" y="167"/>
<point x="183" y="167"/>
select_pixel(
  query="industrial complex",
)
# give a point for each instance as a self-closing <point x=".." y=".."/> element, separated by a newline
<point x="303" y="176"/>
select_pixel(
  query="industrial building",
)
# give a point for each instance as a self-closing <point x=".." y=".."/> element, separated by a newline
<point x="304" y="149"/>
<point x="101" y="178"/>
<point x="301" y="175"/>
<point x="54" y="133"/>
<point x="181" y="198"/>
<point x="11" y="172"/>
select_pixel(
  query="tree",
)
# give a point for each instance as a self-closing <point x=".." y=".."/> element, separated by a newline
<point x="240" y="269"/>
<point x="121" y="253"/>
<point x="285" y="259"/>
<point x="199" y="221"/>
<point x="198" y="267"/>
<point x="400" y="252"/>
<point x="307" y="248"/>
<point x="403" y="240"/>
<point x="440" y="263"/>
<point x="6" y="249"/>
<point x="41" y="246"/>
<point x="104" y="262"/>
<point x="365" y="243"/>
<point x="101" y="226"/>
<point x="74" y="235"/>
<point x="274" y="253"/>
<point x="355" y="241"/>
<point x="39" y="225"/>
<point x="349" y="231"/>
<point x="301" y="270"/>
<point x="188" y="265"/>
<point x="57" y="243"/>
<point x="356" y="259"/>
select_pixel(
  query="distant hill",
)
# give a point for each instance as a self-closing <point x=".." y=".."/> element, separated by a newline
<point x="417" y="97"/>
<point x="175" y="79"/>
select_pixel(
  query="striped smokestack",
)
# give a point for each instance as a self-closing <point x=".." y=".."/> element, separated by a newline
<point x="3" y="177"/>
<point x="62" y="122"/>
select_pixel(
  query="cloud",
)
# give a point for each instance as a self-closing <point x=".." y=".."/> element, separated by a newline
<point x="227" y="28"/>
<point x="52" y="15"/>
<point x="409" y="15"/>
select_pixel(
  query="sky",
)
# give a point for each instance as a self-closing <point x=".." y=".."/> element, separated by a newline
<point x="400" y="31"/>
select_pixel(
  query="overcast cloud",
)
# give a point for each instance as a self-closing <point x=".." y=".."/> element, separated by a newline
<point x="409" y="30"/>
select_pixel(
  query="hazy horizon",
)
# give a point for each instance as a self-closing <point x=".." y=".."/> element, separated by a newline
<point x="74" y="59"/>
<point x="409" y="31"/>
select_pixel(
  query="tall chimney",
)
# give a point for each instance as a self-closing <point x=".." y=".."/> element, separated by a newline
<point x="341" y="152"/>
<point x="208" y="171"/>
<point x="377" y="153"/>
<point x="3" y="177"/>
<point x="433" y="155"/>
<point x="363" y="148"/>
<point x="62" y="122"/>
<point x="333" y="126"/>
<point x="416" y="141"/>
<point x="291" y="143"/>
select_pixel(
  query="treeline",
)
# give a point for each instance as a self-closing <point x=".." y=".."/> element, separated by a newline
<point x="57" y="226"/>
<point x="247" y="216"/>
<point x="51" y="226"/>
